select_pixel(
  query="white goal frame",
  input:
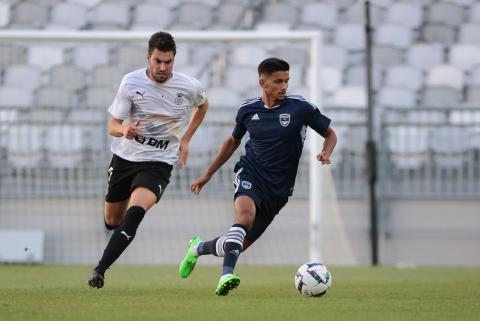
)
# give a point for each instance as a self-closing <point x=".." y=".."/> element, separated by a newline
<point x="315" y="40"/>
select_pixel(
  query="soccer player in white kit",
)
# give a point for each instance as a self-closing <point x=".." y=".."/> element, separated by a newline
<point x="147" y="122"/>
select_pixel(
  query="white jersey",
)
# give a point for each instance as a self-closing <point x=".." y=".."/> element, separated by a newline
<point x="161" y="108"/>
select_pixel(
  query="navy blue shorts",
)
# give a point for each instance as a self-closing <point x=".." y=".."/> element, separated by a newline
<point x="266" y="207"/>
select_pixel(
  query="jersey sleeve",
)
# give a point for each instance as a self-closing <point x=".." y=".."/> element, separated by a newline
<point x="199" y="93"/>
<point x="239" y="130"/>
<point x="122" y="103"/>
<point x="315" y="119"/>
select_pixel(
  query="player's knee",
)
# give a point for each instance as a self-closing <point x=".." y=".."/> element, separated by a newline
<point x="246" y="218"/>
<point x="112" y="222"/>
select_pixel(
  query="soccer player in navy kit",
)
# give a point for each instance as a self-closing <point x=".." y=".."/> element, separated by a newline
<point x="265" y="175"/>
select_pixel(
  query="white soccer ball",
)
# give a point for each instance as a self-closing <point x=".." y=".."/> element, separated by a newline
<point x="313" y="279"/>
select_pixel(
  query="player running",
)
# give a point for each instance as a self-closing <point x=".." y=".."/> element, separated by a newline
<point x="265" y="175"/>
<point x="147" y="117"/>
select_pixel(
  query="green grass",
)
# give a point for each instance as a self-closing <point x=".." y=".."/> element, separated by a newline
<point x="266" y="293"/>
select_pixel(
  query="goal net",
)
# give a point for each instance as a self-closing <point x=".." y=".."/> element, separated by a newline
<point x="54" y="148"/>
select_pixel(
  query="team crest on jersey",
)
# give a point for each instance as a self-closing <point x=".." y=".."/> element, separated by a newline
<point x="179" y="99"/>
<point x="284" y="119"/>
<point x="246" y="185"/>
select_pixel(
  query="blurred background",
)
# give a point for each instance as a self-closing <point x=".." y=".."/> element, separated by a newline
<point x="54" y="149"/>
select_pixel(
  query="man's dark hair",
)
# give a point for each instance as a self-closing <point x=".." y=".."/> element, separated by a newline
<point x="270" y="65"/>
<point x="162" y="41"/>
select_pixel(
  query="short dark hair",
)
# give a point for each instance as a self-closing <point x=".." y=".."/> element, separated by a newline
<point x="270" y="65"/>
<point x="162" y="41"/>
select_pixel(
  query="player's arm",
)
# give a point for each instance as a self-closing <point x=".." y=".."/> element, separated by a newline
<point x="328" y="146"/>
<point x="198" y="114"/>
<point x="228" y="147"/>
<point x="116" y="128"/>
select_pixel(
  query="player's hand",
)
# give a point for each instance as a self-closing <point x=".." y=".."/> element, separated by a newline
<point x="324" y="158"/>
<point x="198" y="184"/>
<point x="132" y="130"/>
<point x="183" y="154"/>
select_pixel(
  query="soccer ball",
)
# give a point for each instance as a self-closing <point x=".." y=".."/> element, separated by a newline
<point x="313" y="279"/>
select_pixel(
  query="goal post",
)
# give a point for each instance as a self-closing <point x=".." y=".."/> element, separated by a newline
<point x="313" y="81"/>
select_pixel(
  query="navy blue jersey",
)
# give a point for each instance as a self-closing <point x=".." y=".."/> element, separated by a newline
<point x="276" y="140"/>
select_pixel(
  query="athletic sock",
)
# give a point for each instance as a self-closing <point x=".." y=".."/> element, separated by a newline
<point x="233" y="247"/>
<point x="121" y="238"/>
<point x="214" y="247"/>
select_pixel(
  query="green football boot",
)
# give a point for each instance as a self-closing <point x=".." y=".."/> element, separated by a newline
<point x="227" y="282"/>
<point x="188" y="263"/>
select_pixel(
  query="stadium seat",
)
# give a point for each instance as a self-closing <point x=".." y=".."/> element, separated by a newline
<point x="464" y="56"/>
<point x="438" y="32"/>
<point x="67" y="77"/>
<point x="99" y="97"/>
<point x="445" y="75"/>
<point x="334" y="56"/>
<point x="28" y="15"/>
<point x="409" y="14"/>
<point x="356" y="76"/>
<point x="87" y="115"/>
<point x="247" y="55"/>
<point x="86" y="3"/>
<point x="110" y="16"/>
<point x="229" y="16"/>
<point x="280" y="13"/>
<point x="332" y="78"/>
<point x="130" y="56"/>
<point x="404" y="76"/>
<point x="441" y="97"/>
<point x="394" y="35"/>
<point x="242" y="77"/>
<point x="448" y="13"/>
<point x="108" y="75"/>
<point x="384" y="4"/>
<point x="354" y="13"/>
<point x="475" y="12"/>
<point x="323" y="15"/>
<point x="56" y="97"/>
<point x="408" y="145"/>
<point x="423" y="56"/>
<point x="64" y="144"/>
<point x="473" y="95"/>
<point x="89" y="56"/>
<point x="12" y="55"/>
<point x="386" y="56"/>
<point x="293" y="54"/>
<point x="464" y="117"/>
<point x="66" y="15"/>
<point x="23" y="76"/>
<point x="470" y="34"/>
<point x="151" y="16"/>
<point x="449" y="145"/>
<point x="350" y="37"/>
<point x="15" y="97"/>
<point x="397" y="97"/>
<point x="4" y="14"/>
<point x="24" y="145"/>
<point x="193" y="16"/>
<point x="474" y="79"/>
<point x="44" y="56"/>
<point x="350" y="96"/>
<point x="223" y="97"/>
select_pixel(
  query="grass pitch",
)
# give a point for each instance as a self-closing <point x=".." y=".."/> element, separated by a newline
<point x="43" y="293"/>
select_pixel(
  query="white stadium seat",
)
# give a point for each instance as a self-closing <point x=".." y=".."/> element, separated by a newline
<point x="323" y="15"/>
<point x="439" y="32"/>
<point x="404" y="75"/>
<point x="445" y="75"/>
<point x="23" y="76"/>
<point x="110" y="15"/>
<point x="334" y="56"/>
<point x="64" y="144"/>
<point x="66" y="15"/>
<point x="350" y="36"/>
<point x="394" y="35"/>
<point x="223" y="97"/>
<point x="151" y="16"/>
<point x="350" y="96"/>
<point x="45" y="56"/>
<point x="332" y="78"/>
<point x="464" y="56"/>
<point x="409" y="14"/>
<point x="475" y="12"/>
<point x="425" y="55"/>
<point x="447" y="13"/>
<point x="89" y="56"/>
<point x="4" y="14"/>
<point x="448" y="145"/>
<point x="247" y="55"/>
<point x="24" y="144"/>
<point x="397" y="97"/>
<point x="441" y="97"/>
<point x="409" y="146"/>
<point x="470" y="34"/>
<point x="55" y="97"/>
<point x="68" y="77"/>
<point x="15" y="97"/>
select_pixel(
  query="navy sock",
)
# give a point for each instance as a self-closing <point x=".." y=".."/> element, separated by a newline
<point x="121" y="238"/>
<point x="207" y="247"/>
<point x="233" y="247"/>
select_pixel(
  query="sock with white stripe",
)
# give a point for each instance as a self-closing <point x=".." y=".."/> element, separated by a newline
<point x="214" y="247"/>
<point x="233" y="247"/>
